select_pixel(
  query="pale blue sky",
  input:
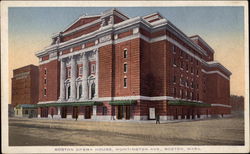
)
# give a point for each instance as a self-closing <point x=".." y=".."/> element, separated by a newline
<point x="30" y="30"/>
<point x="192" y="20"/>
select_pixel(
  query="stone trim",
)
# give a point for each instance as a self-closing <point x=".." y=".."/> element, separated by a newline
<point x="221" y="105"/>
<point x="218" y="72"/>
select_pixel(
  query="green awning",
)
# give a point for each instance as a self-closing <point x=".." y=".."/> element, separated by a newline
<point x="187" y="103"/>
<point x="123" y="102"/>
<point x="89" y="103"/>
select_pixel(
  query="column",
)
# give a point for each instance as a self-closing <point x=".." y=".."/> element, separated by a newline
<point x="62" y="79"/>
<point x="97" y="74"/>
<point x="73" y="79"/>
<point x="85" y="73"/>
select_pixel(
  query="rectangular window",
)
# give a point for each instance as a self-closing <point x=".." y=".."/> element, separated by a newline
<point x="80" y="71"/>
<point x="44" y="92"/>
<point x="192" y="70"/>
<point x="174" y="61"/>
<point x="197" y="97"/>
<point x="45" y="81"/>
<point x="186" y="56"/>
<point x="69" y="72"/>
<point x="125" y="68"/>
<point x="92" y="68"/>
<point x="45" y="71"/>
<point x="192" y="59"/>
<point x="174" y="49"/>
<point x="197" y="72"/>
<point x="125" y="53"/>
<point x="181" y="53"/>
<point x="125" y="82"/>
<point x="174" y="79"/>
<point x="186" y="67"/>
<point x="174" y="91"/>
<point x="182" y="64"/>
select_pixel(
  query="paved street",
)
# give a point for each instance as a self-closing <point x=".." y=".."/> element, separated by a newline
<point x="38" y="132"/>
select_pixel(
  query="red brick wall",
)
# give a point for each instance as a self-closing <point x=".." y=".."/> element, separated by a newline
<point x="53" y="81"/>
<point x="105" y="71"/>
<point x="217" y="90"/>
<point x="133" y="73"/>
<point x="25" y="89"/>
<point x="81" y="32"/>
<point x="82" y="22"/>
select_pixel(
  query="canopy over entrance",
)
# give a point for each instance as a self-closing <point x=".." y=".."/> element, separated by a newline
<point x="90" y="103"/>
<point x="123" y="102"/>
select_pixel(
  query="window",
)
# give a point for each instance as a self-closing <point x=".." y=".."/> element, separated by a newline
<point x="192" y="70"/>
<point x="187" y="84"/>
<point x="186" y="56"/>
<point x="80" y="71"/>
<point x="192" y="59"/>
<point x="44" y="92"/>
<point x="45" y="71"/>
<point x="92" y="68"/>
<point x="180" y="92"/>
<point x="174" y="91"/>
<point x="26" y="111"/>
<point x="181" y="53"/>
<point x="182" y="64"/>
<point x="125" y="82"/>
<point x="174" y="49"/>
<point x="174" y="79"/>
<point x="125" y="53"/>
<point x="197" y="63"/>
<point x="197" y="72"/>
<point x="92" y="90"/>
<point x="192" y="95"/>
<point x="174" y="61"/>
<point x="45" y="81"/>
<point x="197" y="97"/>
<point x="186" y="67"/>
<point x="79" y="92"/>
<point x="125" y="68"/>
<point x="197" y="85"/>
<point x="69" y="72"/>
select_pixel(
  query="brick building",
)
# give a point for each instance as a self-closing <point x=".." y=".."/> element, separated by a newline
<point x="25" y="85"/>
<point x="110" y="66"/>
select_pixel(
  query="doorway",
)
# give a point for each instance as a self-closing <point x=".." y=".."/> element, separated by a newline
<point x="64" y="112"/>
<point x="75" y="112"/>
<point x="87" y="112"/>
<point x="127" y="116"/>
<point x="119" y="112"/>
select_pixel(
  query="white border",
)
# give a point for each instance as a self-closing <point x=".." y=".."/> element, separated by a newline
<point x="50" y="149"/>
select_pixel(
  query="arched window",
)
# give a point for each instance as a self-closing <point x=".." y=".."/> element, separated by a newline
<point x="79" y="92"/>
<point x="92" y="90"/>
<point x="68" y="92"/>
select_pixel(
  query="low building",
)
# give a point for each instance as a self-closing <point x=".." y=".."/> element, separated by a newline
<point x="110" y="66"/>
<point x="26" y="110"/>
<point x="10" y="110"/>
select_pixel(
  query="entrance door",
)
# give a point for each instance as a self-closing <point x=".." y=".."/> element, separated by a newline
<point x="87" y="112"/>
<point x="64" y="112"/>
<point x="119" y="112"/>
<point x="127" y="116"/>
<point x="75" y="112"/>
<point x="176" y="114"/>
<point x="188" y="114"/>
